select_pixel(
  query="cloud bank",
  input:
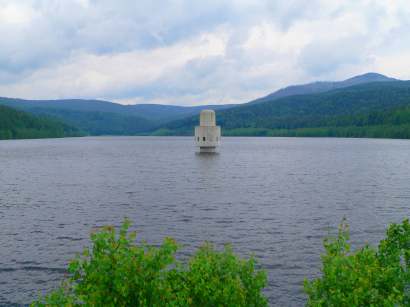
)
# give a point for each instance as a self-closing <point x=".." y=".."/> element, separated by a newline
<point x="194" y="52"/>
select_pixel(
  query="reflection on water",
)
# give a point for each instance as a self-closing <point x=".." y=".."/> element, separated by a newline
<point x="272" y="197"/>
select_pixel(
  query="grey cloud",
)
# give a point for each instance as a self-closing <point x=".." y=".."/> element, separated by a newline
<point x="321" y="57"/>
<point x="304" y="41"/>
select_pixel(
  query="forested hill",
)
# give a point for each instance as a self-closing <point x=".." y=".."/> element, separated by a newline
<point x="152" y="112"/>
<point x="370" y="104"/>
<point x="323" y="86"/>
<point x="365" y="105"/>
<point x="16" y="124"/>
<point x="97" y="117"/>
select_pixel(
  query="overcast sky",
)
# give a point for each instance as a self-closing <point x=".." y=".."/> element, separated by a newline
<point x="194" y="52"/>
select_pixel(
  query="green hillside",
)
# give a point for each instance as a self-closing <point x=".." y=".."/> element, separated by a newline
<point x="16" y="124"/>
<point x="323" y="86"/>
<point x="97" y="123"/>
<point x="369" y="105"/>
<point x="349" y="112"/>
<point x="97" y="117"/>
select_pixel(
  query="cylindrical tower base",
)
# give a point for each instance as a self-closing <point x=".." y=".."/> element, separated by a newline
<point x="207" y="149"/>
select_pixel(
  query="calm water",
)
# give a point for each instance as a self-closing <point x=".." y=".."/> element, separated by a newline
<point x="273" y="197"/>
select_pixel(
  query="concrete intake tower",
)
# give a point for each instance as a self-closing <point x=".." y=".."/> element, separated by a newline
<point x="207" y="134"/>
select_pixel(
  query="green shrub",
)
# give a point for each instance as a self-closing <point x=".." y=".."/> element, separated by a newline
<point x="367" y="277"/>
<point x="118" y="272"/>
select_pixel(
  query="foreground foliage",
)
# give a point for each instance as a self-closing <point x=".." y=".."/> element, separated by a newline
<point x="117" y="272"/>
<point x="367" y="277"/>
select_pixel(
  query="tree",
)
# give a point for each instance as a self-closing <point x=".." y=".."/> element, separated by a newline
<point x="366" y="277"/>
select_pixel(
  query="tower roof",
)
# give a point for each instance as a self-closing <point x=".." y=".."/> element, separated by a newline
<point x="207" y="118"/>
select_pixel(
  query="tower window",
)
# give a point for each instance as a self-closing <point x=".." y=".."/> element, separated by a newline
<point x="203" y="139"/>
<point x="198" y="139"/>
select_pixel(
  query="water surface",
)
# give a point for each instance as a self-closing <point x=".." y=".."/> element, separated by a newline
<point x="275" y="198"/>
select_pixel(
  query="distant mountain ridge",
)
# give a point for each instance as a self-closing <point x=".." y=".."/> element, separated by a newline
<point x="98" y="117"/>
<point x="292" y="107"/>
<point x="323" y="86"/>
<point x="153" y="112"/>
<point x="358" y="105"/>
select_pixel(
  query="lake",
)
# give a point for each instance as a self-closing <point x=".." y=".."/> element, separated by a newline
<point x="276" y="198"/>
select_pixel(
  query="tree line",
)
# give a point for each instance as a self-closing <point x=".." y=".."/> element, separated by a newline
<point x="16" y="124"/>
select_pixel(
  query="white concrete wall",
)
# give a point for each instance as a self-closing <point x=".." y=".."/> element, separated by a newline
<point x="206" y="136"/>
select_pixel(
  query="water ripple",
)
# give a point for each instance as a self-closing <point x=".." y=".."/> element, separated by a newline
<point x="275" y="198"/>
